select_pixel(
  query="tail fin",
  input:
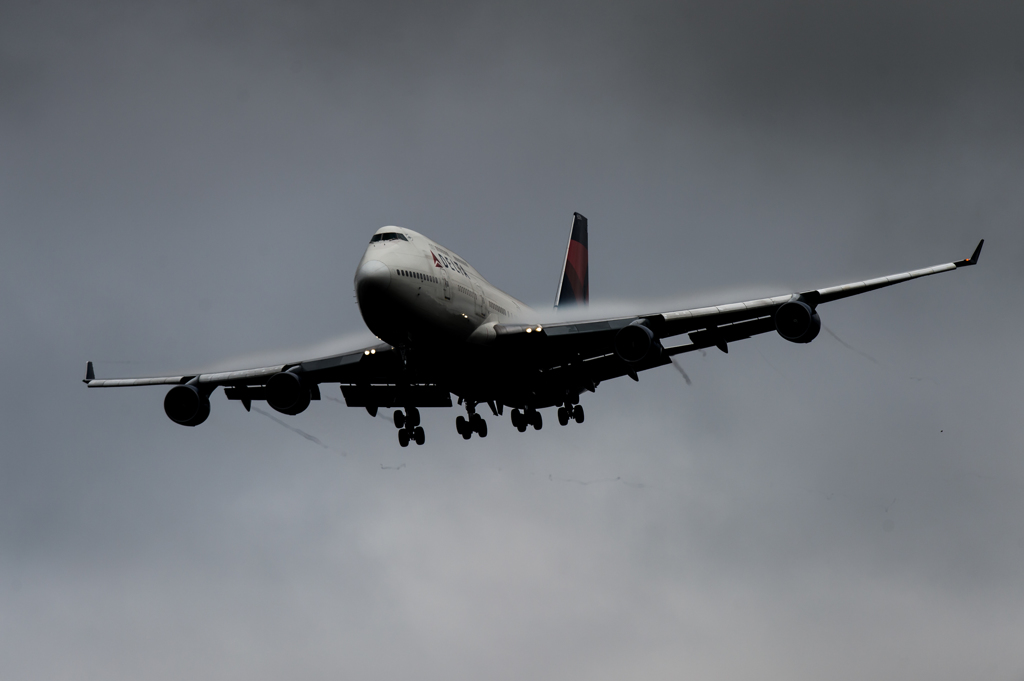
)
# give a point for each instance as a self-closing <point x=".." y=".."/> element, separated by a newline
<point x="574" y="286"/>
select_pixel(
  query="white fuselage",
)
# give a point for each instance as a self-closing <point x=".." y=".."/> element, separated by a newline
<point x="413" y="291"/>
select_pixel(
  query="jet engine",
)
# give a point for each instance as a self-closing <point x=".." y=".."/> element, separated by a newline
<point x="187" y="406"/>
<point x="797" y="322"/>
<point x="287" y="393"/>
<point x="635" y="342"/>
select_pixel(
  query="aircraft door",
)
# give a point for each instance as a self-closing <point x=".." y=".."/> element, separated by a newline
<point x="481" y="302"/>
<point x="445" y="284"/>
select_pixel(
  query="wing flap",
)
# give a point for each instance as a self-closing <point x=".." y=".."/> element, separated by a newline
<point x="396" y="396"/>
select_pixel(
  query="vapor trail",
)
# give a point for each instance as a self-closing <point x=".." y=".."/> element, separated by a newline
<point x="679" y="368"/>
<point x="585" y="483"/>
<point x="848" y="346"/>
<point x="297" y="431"/>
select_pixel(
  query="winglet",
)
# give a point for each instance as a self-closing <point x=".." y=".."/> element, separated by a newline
<point x="973" y="260"/>
<point x="89" y="373"/>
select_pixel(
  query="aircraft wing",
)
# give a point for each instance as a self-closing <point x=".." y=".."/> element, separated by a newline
<point x="589" y="348"/>
<point x="363" y="364"/>
<point x="367" y="376"/>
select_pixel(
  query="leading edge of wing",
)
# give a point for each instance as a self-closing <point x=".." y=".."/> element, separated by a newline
<point x="825" y="295"/>
<point x="257" y="376"/>
<point x="676" y="322"/>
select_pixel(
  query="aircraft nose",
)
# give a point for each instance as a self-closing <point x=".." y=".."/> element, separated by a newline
<point x="372" y="278"/>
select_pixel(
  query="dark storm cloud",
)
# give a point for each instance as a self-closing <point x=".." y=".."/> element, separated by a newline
<point x="844" y="59"/>
<point x="191" y="185"/>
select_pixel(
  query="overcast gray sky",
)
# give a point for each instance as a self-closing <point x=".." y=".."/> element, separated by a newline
<point x="184" y="185"/>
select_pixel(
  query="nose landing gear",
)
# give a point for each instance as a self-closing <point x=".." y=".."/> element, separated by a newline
<point x="409" y="428"/>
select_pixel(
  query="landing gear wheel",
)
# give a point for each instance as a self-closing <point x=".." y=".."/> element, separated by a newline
<point x="467" y="433"/>
<point x="412" y="417"/>
<point x="460" y="424"/>
<point x="563" y="416"/>
<point x="523" y="425"/>
<point x="537" y="421"/>
<point x="399" y="418"/>
<point x="577" y="413"/>
<point x="419" y="435"/>
<point x="517" y="417"/>
<point x="481" y="428"/>
<point x="403" y="437"/>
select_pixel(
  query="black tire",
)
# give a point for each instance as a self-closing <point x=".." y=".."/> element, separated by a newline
<point x="517" y="417"/>
<point x="523" y="425"/>
<point x="403" y="437"/>
<point x="577" y="413"/>
<point x="412" y="417"/>
<point x="481" y="428"/>
<point x="419" y="435"/>
<point x="538" y="421"/>
<point x="466" y="434"/>
<point x="460" y="424"/>
<point x="563" y="416"/>
<point x="399" y="418"/>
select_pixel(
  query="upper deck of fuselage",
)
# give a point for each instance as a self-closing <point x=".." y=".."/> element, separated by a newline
<point x="400" y="238"/>
<point x="399" y="247"/>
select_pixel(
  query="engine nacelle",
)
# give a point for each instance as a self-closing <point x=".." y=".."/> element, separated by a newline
<point x="636" y="342"/>
<point x="287" y="393"/>
<point x="797" y="322"/>
<point x="185" y="405"/>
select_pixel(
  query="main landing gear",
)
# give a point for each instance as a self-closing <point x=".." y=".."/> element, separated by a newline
<point x="409" y="428"/>
<point x="524" y="419"/>
<point x="474" y="424"/>
<point x="570" y="412"/>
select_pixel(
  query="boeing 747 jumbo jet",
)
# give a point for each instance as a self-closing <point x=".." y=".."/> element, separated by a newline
<point x="445" y="330"/>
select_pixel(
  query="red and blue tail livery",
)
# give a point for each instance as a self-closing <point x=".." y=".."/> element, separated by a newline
<point x="574" y="287"/>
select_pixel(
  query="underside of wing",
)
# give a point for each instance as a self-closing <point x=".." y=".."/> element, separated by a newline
<point x="601" y="349"/>
<point x="370" y="377"/>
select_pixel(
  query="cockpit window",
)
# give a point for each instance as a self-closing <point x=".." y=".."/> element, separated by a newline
<point x="387" y="236"/>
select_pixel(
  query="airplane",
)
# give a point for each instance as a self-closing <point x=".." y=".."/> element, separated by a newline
<point x="444" y="330"/>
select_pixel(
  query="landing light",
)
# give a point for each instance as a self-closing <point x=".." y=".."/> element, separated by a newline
<point x="538" y="328"/>
<point x="366" y="352"/>
<point x="529" y="330"/>
<point x="373" y="351"/>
